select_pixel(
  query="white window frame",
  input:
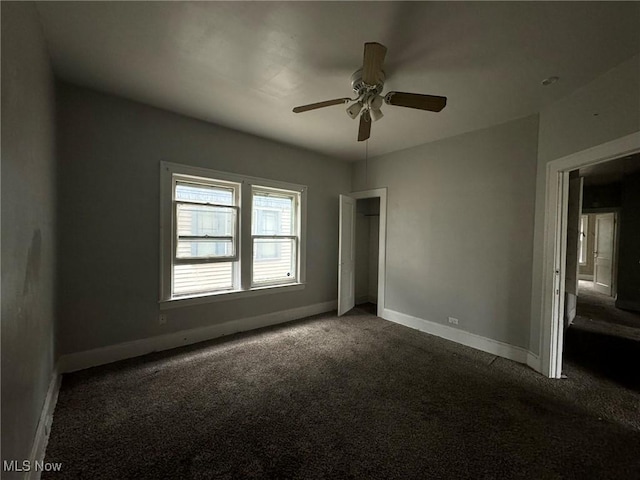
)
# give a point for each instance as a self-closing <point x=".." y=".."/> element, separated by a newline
<point x="295" y="236"/>
<point x="235" y="187"/>
<point x="243" y="270"/>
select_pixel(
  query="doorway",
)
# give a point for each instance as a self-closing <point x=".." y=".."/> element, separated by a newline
<point x="557" y="231"/>
<point x="592" y="215"/>
<point x="367" y="253"/>
<point x="362" y="250"/>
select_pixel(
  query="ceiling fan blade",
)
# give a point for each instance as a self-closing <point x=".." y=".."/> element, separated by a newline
<point x="328" y="103"/>
<point x="364" y="131"/>
<point x="372" y="64"/>
<point x="433" y="103"/>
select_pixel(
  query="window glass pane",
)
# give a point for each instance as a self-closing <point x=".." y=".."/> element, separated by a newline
<point x="273" y="214"/>
<point x="204" y="248"/>
<point x="205" y="194"/>
<point x="274" y="260"/>
<point x="201" y="278"/>
<point x="201" y="220"/>
<point x="582" y="236"/>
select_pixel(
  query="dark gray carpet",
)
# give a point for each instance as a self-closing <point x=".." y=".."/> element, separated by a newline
<point x="353" y="397"/>
<point x="594" y="306"/>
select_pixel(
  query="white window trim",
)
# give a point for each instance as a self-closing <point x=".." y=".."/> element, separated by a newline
<point x="244" y="273"/>
<point x="297" y="238"/>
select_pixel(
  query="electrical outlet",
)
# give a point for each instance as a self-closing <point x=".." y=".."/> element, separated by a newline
<point x="162" y="319"/>
<point x="453" y="320"/>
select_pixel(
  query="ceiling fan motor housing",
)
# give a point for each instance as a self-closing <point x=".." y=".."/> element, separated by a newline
<point x="360" y="88"/>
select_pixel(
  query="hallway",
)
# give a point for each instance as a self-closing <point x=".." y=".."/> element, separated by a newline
<point x="597" y="308"/>
<point x="604" y="339"/>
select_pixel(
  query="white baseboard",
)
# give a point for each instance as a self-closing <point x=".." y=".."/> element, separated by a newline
<point x="366" y="299"/>
<point x="569" y="316"/>
<point x="501" y="349"/>
<point x="112" y="353"/>
<point x="533" y="361"/>
<point x="44" y="426"/>
<point x="584" y="276"/>
<point x="362" y="299"/>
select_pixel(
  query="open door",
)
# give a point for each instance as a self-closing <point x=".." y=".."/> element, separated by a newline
<point x="346" y="265"/>
<point x="603" y="255"/>
<point x="573" y="236"/>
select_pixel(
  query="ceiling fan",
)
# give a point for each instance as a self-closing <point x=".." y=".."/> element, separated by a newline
<point x="367" y="83"/>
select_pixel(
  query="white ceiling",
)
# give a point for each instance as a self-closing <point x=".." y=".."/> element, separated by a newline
<point x="245" y="65"/>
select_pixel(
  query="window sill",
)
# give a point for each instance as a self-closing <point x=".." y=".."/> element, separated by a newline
<point x="186" y="301"/>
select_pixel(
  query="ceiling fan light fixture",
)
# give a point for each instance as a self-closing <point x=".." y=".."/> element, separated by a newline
<point x="376" y="114"/>
<point x="354" y="110"/>
<point x="375" y="102"/>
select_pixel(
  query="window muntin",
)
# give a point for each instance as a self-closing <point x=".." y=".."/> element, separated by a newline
<point x="275" y="237"/>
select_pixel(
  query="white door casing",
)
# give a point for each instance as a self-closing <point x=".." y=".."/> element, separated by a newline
<point x="550" y="301"/>
<point x="346" y="255"/>
<point x="603" y="254"/>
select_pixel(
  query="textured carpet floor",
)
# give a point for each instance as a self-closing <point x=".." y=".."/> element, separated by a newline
<point x="597" y="307"/>
<point x="352" y="397"/>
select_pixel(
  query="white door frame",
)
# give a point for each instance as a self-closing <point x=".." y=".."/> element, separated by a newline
<point x="380" y="193"/>
<point x="554" y="247"/>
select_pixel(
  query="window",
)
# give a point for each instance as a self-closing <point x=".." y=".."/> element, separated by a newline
<point x="274" y="235"/>
<point x="206" y="241"/>
<point x="228" y="234"/>
<point x="582" y="239"/>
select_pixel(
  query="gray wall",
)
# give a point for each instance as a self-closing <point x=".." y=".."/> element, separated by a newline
<point x="629" y="245"/>
<point x="460" y="228"/>
<point x="110" y="149"/>
<point x="28" y="228"/>
<point x="570" y="125"/>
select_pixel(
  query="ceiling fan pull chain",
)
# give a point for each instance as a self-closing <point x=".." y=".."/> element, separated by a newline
<point x="366" y="164"/>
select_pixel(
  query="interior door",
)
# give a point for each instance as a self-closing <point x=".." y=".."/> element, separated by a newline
<point x="573" y="235"/>
<point x="603" y="255"/>
<point x="346" y="260"/>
